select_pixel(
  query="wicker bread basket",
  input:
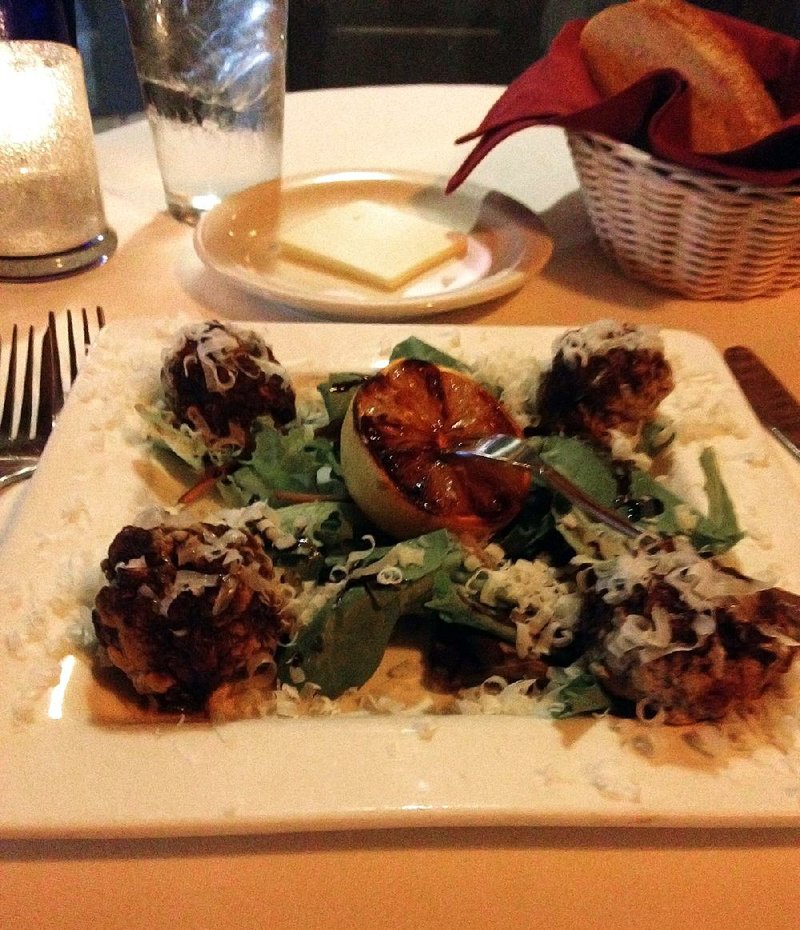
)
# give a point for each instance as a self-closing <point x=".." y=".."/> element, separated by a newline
<point x="683" y="231"/>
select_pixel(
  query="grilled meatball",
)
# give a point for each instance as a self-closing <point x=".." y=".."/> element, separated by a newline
<point x="218" y="381"/>
<point x="684" y="639"/>
<point x="188" y="609"/>
<point x="604" y="377"/>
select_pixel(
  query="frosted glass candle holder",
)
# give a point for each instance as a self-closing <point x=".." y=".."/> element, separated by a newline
<point x="52" y="220"/>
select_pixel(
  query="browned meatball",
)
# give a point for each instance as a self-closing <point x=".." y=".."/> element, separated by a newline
<point x="606" y="376"/>
<point x="685" y="640"/>
<point x="188" y="609"/>
<point x="218" y="380"/>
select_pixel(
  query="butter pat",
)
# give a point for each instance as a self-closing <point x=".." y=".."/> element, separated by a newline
<point x="377" y="243"/>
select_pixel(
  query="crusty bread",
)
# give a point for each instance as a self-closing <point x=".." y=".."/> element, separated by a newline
<point x="731" y="107"/>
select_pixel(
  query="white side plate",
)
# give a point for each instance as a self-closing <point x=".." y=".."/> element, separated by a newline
<point x="506" y="242"/>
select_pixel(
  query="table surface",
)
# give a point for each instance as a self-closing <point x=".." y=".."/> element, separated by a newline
<point x="591" y="878"/>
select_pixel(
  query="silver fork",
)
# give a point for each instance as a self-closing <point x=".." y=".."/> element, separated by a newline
<point x="21" y="445"/>
<point x="517" y="452"/>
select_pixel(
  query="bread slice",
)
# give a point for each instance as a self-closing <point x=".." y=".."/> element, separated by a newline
<point x="730" y="106"/>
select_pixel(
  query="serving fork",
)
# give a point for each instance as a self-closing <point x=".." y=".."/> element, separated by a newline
<point x="23" y="436"/>
<point x="510" y="450"/>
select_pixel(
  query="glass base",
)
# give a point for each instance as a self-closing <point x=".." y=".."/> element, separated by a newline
<point x="96" y="251"/>
<point x="186" y="214"/>
<point x="190" y="209"/>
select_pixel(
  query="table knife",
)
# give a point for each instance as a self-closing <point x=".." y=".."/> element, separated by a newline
<point x="774" y="405"/>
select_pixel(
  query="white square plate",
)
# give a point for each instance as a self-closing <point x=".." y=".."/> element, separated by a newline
<point x="65" y="772"/>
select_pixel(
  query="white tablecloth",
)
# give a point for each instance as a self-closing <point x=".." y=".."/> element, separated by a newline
<point x="445" y="878"/>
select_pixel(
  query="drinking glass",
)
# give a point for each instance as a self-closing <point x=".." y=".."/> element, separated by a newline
<point x="212" y="74"/>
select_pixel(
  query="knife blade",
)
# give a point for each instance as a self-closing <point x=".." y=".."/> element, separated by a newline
<point x="774" y="405"/>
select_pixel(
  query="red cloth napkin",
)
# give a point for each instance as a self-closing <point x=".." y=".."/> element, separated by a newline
<point x="653" y="113"/>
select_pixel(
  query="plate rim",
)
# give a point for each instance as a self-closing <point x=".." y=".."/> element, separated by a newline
<point x="380" y="308"/>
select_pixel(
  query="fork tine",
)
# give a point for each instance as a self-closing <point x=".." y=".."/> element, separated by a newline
<point x="101" y="322"/>
<point x="73" y="354"/>
<point x="86" y="337"/>
<point x="55" y="357"/>
<point x="11" y="382"/>
<point x="26" y="407"/>
<point x="47" y="387"/>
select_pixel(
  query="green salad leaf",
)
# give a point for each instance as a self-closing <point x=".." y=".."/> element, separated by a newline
<point x="574" y="691"/>
<point x="585" y="467"/>
<point x="657" y="434"/>
<point x="448" y="602"/>
<point x="716" y="531"/>
<point x="327" y="524"/>
<point x="322" y="531"/>
<point x="180" y="439"/>
<point x="284" y="467"/>
<point x="343" y="644"/>
<point x="719" y="529"/>
<point x="336" y="392"/>
<point x="413" y="347"/>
